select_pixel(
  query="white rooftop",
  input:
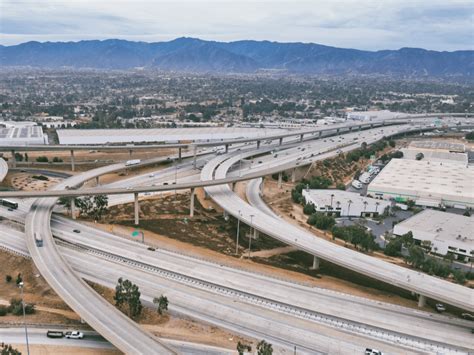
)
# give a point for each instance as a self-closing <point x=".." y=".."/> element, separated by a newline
<point x="413" y="179"/>
<point x="322" y="198"/>
<point x="435" y="155"/>
<point x="103" y="136"/>
<point x="440" y="227"/>
<point x="23" y="135"/>
<point x="438" y="145"/>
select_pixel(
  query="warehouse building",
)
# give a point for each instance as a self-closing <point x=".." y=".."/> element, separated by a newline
<point x="447" y="232"/>
<point x="432" y="184"/>
<point x="104" y="136"/>
<point x="340" y="203"/>
<point x="22" y="135"/>
<point x="437" y="151"/>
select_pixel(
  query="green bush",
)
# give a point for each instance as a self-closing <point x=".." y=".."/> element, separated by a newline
<point x="57" y="160"/>
<point x="8" y="278"/>
<point x="321" y="221"/>
<point x="42" y="159"/>
<point x="308" y="209"/>
<point x="3" y="310"/>
<point x="40" y="177"/>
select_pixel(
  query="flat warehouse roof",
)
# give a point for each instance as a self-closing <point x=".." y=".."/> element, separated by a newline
<point x="425" y="179"/>
<point x="436" y="225"/>
<point x="103" y="136"/>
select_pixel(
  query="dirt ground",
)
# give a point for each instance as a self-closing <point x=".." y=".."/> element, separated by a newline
<point x="26" y="182"/>
<point x="50" y="309"/>
<point x="38" y="349"/>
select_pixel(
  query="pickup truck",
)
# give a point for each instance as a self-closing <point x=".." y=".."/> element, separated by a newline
<point x="74" y="335"/>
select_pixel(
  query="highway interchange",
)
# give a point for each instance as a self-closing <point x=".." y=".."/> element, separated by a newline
<point x="440" y="332"/>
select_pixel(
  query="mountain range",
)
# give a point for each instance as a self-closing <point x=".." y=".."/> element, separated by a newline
<point x="247" y="56"/>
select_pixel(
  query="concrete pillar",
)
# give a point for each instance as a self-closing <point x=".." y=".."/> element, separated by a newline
<point x="337" y="130"/>
<point x="226" y="215"/>
<point x="130" y="153"/>
<point x="97" y="182"/>
<point x="179" y="154"/>
<point x="258" y="144"/>
<point x="233" y="186"/>
<point x="227" y="148"/>
<point x="360" y="128"/>
<point x="315" y="263"/>
<point x="320" y="133"/>
<point x="13" y="159"/>
<point x="421" y="301"/>
<point x="371" y="125"/>
<point x="350" y="129"/>
<point x="262" y="185"/>
<point x="137" y="221"/>
<point x="293" y="175"/>
<point x="73" y="208"/>
<point x="255" y="234"/>
<point x="73" y="163"/>
<point x="281" y="141"/>
<point x="301" y="137"/>
<point x="280" y="179"/>
<point x="194" y="158"/>
<point x="191" y="204"/>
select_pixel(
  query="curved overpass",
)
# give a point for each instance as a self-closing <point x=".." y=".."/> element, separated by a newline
<point x="112" y="324"/>
<point x="3" y="169"/>
<point x="429" y="286"/>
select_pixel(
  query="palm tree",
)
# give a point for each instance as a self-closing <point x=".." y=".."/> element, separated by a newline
<point x="349" y="208"/>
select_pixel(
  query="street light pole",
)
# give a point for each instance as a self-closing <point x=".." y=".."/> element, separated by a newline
<point x="237" y="236"/>
<point x="20" y="285"/>
<point x="250" y="236"/>
<point x="175" y="177"/>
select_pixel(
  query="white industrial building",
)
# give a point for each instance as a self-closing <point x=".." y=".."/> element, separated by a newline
<point x="447" y="232"/>
<point x="104" y="136"/>
<point x="343" y="203"/>
<point x="372" y="115"/>
<point x="427" y="183"/>
<point x="22" y="135"/>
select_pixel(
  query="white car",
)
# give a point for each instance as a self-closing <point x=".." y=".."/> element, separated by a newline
<point x="74" y="335"/>
<point x="373" y="352"/>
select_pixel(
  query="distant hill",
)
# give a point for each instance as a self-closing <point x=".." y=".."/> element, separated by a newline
<point x="195" y="55"/>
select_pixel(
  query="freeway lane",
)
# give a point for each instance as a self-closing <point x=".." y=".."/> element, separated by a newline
<point x="432" y="287"/>
<point x="94" y="341"/>
<point x="256" y="319"/>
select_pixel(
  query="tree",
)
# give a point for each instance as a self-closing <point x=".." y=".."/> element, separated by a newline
<point x="416" y="256"/>
<point x="8" y="278"/>
<point x="459" y="276"/>
<point x="7" y="349"/>
<point x="57" y="160"/>
<point x="128" y="295"/>
<point x="100" y="206"/>
<point x="26" y="157"/>
<point x="85" y="205"/>
<point x="241" y="348"/>
<point x="391" y="143"/>
<point x="19" y="279"/>
<point x="467" y="213"/>
<point x="264" y="348"/>
<point x="18" y="156"/>
<point x="161" y="303"/>
<point x="308" y="209"/>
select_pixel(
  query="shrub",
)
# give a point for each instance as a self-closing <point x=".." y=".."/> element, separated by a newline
<point x="57" y="160"/>
<point x="308" y="209"/>
<point x="341" y="186"/>
<point x="40" y="177"/>
<point x="459" y="276"/>
<point x="8" y="278"/>
<point x="42" y="159"/>
<point x="3" y="310"/>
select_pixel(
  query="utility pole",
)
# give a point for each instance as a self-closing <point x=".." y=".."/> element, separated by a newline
<point x="20" y="285"/>
<point x="237" y="236"/>
<point x="250" y="235"/>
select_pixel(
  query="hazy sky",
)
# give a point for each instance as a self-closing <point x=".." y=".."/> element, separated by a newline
<point x="363" y="24"/>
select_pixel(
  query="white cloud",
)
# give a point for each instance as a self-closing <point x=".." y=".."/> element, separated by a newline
<point x="363" y="24"/>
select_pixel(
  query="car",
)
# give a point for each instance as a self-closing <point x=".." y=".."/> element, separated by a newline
<point x="467" y="316"/>
<point x="129" y="187"/>
<point x="151" y="249"/>
<point x="76" y="231"/>
<point x="54" y="334"/>
<point x="165" y="183"/>
<point x="74" y="335"/>
<point x="440" y="307"/>
<point x="369" y="351"/>
<point x="151" y="175"/>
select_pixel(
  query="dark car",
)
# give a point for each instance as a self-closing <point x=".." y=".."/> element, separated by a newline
<point x="76" y="231"/>
<point x="54" y="334"/>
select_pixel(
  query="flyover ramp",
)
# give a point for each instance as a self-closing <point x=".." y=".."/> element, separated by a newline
<point x="438" y="289"/>
<point x="3" y="169"/>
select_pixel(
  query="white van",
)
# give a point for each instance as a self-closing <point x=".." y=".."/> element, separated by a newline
<point x="356" y="184"/>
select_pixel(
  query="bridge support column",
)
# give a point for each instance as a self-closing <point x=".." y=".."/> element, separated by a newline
<point x="371" y="125"/>
<point x="421" y="301"/>
<point x="73" y="208"/>
<point x="320" y="133"/>
<point x="262" y="185"/>
<point x="179" y="154"/>
<point x="301" y="137"/>
<point x="258" y="144"/>
<point x="315" y="263"/>
<point x="293" y="175"/>
<point x="13" y="159"/>
<point x="130" y="153"/>
<point x="97" y="182"/>
<point x="194" y="158"/>
<point x="73" y="162"/>
<point x="337" y="130"/>
<point x="233" y="186"/>
<point x="360" y="128"/>
<point x="135" y="209"/>
<point x="281" y="141"/>
<point x="255" y="234"/>
<point x="280" y="179"/>
<point x="350" y="129"/>
<point x="226" y="215"/>
<point x="227" y="148"/>
<point x="191" y="204"/>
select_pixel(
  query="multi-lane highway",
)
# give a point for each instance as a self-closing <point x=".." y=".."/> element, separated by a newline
<point x="273" y="166"/>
